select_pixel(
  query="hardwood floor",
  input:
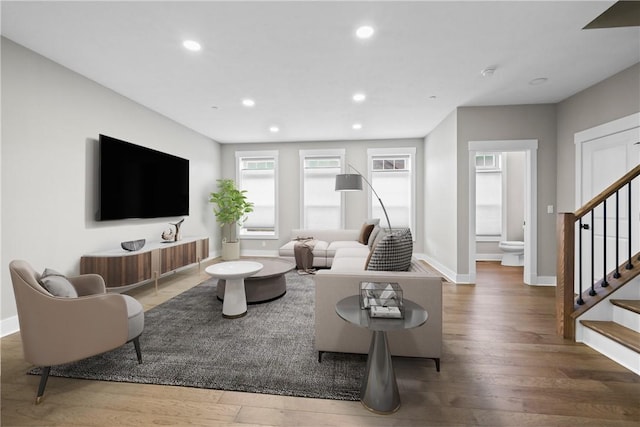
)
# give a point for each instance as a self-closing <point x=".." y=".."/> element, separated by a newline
<point x="503" y="365"/>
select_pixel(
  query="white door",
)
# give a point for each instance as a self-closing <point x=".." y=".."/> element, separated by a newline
<point x="604" y="161"/>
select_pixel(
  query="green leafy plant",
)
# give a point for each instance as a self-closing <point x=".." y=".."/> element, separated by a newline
<point x="232" y="207"/>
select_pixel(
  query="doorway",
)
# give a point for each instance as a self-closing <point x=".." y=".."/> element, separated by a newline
<point x="529" y="147"/>
<point x="603" y="154"/>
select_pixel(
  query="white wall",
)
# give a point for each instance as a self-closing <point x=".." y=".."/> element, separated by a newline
<point x="289" y="183"/>
<point x="611" y="99"/>
<point x="440" y="198"/>
<point x="51" y="119"/>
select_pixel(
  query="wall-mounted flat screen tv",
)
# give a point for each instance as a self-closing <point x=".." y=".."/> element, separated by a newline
<point x="138" y="182"/>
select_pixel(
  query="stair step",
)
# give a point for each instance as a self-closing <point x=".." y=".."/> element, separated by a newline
<point x="616" y="332"/>
<point x="629" y="304"/>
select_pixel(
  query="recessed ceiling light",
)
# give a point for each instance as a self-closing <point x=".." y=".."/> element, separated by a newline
<point x="488" y="72"/>
<point x="192" y="45"/>
<point x="538" y="81"/>
<point x="359" y="97"/>
<point x="364" y="32"/>
<point x="356" y="126"/>
<point x="248" y="102"/>
<point x="274" y="129"/>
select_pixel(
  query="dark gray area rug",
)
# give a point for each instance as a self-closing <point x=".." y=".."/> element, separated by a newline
<point x="187" y="342"/>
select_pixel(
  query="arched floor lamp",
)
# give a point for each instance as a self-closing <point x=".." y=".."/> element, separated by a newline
<point x="353" y="182"/>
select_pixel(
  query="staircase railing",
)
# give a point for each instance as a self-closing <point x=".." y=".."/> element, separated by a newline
<point x="603" y="282"/>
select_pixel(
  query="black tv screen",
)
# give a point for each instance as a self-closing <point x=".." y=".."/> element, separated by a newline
<point x="138" y="182"/>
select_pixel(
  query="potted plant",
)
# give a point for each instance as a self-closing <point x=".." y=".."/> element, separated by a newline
<point x="232" y="209"/>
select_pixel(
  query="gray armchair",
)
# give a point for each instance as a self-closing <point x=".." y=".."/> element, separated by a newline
<point x="57" y="330"/>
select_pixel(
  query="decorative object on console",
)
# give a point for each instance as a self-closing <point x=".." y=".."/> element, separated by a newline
<point x="171" y="235"/>
<point x="353" y="182"/>
<point x="177" y="234"/>
<point x="232" y="209"/>
<point x="168" y="235"/>
<point x="133" y="245"/>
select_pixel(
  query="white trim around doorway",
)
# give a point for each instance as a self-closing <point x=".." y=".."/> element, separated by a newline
<point x="530" y="147"/>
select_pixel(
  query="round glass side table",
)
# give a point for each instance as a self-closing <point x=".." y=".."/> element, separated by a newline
<point x="379" y="390"/>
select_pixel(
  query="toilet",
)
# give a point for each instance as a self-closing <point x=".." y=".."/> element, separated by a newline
<point x="513" y="253"/>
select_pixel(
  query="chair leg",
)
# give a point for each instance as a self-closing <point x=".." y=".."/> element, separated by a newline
<point x="136" y="344"/>
<point x="43" y="383"/>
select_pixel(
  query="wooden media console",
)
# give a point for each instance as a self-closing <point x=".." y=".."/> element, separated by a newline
<point x="123" y="270"/>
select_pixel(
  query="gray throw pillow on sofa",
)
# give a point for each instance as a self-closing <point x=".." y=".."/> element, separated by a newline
<point x="393" y="252"/>
<point x="57" y="284"/>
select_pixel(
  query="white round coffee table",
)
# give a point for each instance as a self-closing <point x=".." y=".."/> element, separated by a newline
<point x="234" y="272"/>
<point x="267" y="284"/>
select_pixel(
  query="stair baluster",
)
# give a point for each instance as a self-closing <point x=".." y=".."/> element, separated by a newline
<point x="629" y="266"/>
<point x="592" y="291"/>
<point x="580" y="300"/>
<point x="604" y="245"/>
<point x="617" y="274"/>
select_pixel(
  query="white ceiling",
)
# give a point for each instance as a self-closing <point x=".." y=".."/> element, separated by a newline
<point x="301" y="62"/>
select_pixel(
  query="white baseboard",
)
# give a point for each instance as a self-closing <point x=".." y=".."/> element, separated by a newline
<point x="9" y="326"/>
<point x="544" y="281"/>
<point x="488" y="257"/>
<point x="446" y="272"/>
<point x="259" y="252"/>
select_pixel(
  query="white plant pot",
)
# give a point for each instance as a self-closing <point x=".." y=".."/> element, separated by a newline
<point x="230" y="251"/>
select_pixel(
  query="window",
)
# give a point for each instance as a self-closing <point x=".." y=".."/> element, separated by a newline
<point x="321" y="205"/>
<point x="257" y="173"/>
<point x="489" y="196"/>
<point x="392" y="174"/>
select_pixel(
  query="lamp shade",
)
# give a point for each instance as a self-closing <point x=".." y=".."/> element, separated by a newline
<point x="348" y="182"/>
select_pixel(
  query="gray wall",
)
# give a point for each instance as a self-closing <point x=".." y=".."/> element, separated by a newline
<point x="553" y="125"/>
<point x="611" y="99"/>
<point x="51" y="119"/>
<point x="506" y="123"/>
<point x="289" y="183"/>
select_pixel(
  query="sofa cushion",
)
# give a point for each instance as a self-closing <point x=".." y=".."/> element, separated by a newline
<point x="361" y="251"/>
<point x="365" y="231"/>
<point x="57" y="284"/>
<point x="135" y="315"/>
<point x="351" y="264"/>
<point x="393" y="252"/>
<point x="340" y="244"/>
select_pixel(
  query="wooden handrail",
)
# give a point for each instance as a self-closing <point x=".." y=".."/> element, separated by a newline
<point x="609" y="191"/>
<point x="566" y="308"/>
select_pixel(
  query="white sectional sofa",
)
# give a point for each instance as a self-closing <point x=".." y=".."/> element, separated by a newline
<point x="327" y="243"/>
<point x="347" y="259"/>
